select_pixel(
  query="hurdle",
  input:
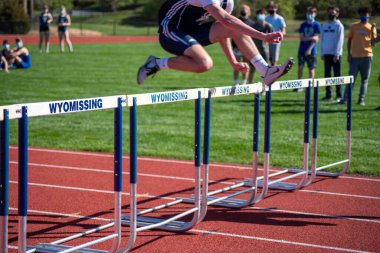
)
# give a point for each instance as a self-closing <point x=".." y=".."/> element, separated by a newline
<point x="280" y="183"/>
<point x="318" y="171"/>
<point x="228" y="200"/>
<point x="23" y="113"/>
<point x="306" y="175"/>
<point x="136" y="219"/>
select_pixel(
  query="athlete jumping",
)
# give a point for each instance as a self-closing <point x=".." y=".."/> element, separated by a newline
<point x="186" y="26"/>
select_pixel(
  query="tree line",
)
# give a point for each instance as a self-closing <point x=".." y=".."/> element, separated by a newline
<point x="15" y="19"/>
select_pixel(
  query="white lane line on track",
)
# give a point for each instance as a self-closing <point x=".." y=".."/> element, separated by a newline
<point x="186" y="179"/>
<point x="102" y="171"/>
<point x="171" y="199"/>
<point x="341" y="194"/>
<point x="248" y="237"/>
<point x="168" y="161"/>
<point x="278" y="241"/>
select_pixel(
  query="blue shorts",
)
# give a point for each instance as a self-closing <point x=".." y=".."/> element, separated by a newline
<point x="311" y="60"/>
<point x="23" y="65"/>
<point x="176" y="41"/>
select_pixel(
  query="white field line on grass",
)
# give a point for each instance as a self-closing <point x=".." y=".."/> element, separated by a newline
<point x="171" y="199"/>
<point x="169" y="161"/>
<point x="199" y="231"/>
<point x="185" y="179"/>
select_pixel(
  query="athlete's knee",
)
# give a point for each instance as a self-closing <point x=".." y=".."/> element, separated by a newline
<point x="204" y="64"/>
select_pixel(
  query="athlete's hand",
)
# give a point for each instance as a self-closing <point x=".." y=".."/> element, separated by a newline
<point x="242" y="67"/>
<point x="274" y="37"/>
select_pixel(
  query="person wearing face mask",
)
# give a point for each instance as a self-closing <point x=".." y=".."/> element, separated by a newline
<point x="307" y="51"/>
<point x="45" y="19"/>
<point x="332" y="38"/>
<point x="245" y="14"/>
<point x="21" y="55"/>
<point x="64" y="22"/>
<point x="361" y="40"/>
<point x="262" y="26"/>
<point x="6" y="51"/>
<point x="278" y="24"/>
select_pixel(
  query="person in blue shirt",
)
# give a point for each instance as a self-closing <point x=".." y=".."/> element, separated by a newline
<point x="307" y="51"/>
<point x="21" y="55"/>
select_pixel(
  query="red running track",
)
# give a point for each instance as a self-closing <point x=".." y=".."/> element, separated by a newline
<point x="34" y="39"/>
<point x="72" y="191"/>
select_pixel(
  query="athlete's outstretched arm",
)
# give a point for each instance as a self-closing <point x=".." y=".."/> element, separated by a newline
<point x="227" y="50"/>
<point x="233" y="23"/>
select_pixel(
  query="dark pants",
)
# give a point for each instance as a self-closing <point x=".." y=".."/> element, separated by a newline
<point x="330" y="64"/>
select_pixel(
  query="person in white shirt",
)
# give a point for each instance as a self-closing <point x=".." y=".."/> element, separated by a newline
<point x="186" y="26"/>
<point x="332" y="38"/>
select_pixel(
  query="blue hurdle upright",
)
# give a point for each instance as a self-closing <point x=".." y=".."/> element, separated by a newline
<point x="4" y="181"/>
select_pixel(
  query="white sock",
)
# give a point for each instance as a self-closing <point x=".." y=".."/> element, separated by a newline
<point x="162" y="63"/>
<point x="260" y="64"/>
<point x="244" y="81"/>
<point x="236" y="82"/>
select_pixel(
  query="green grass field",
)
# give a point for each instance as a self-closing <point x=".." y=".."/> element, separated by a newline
<point x="167" y="130"/>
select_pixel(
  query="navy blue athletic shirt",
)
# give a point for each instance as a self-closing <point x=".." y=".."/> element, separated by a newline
<point x="187" y="15"/>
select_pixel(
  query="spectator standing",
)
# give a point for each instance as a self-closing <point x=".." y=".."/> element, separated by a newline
<point x="307" y="51"/>
<point x="278" y="25"/>
<point x="361" y="40"/>
<point x="332" y="38"/>
<point x="245" y="14"/>
<point x="21" y="55"/>
<point x="262" y="26"/>
<point x="45" y="19"/>
<point x="64" y="22"/>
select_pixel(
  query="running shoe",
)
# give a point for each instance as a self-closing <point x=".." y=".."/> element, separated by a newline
<point x="274" y="73"/>
<point x="150" y="67"/>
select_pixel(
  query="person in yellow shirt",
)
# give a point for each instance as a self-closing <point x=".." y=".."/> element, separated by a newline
<point x="361" y="40"/>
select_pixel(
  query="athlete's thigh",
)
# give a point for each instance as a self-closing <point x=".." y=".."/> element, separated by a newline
<point x="219" y="32"/>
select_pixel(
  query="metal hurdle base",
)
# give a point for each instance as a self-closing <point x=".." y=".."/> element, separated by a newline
<point x="229" y="202"/>
<point x="53" y="248"/>
<point x="277" y="186"/>
<point x="146" y="221"/>
<point x="319" y="173"/>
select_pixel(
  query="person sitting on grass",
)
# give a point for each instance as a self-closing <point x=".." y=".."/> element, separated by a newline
<point x="21" y="56"/>
<point x="186" y="26"/>
<point x="4" y="64"/>
<point x="5" y="56"/>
